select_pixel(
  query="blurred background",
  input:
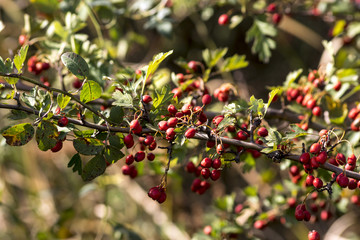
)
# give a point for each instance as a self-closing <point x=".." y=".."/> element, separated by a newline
<point x="41" y="198"/>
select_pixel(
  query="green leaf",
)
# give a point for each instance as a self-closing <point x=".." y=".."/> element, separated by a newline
<point x="249" y="162"/>
<point x="211" y="57"/>
<point x="18" y="135"/>
<point x="59" y="30"/>
<point x="113" y="152"/>
<point x="233" y="63"/>
<point x="162" y="97"/>
<point x="236" y="107"/>
<point x="250" y="191"/>
<point x="296" y="132"/>
<point x="353" y="29"/>
<point x="227" y="121"/>
<point x="17" y="115"/>
<point x="90" y="91"/>
<point x="123" y="99"/>
<point x="226" y="203"/>
<point x="88" y="146"/>
<point x="75" y="163"/>
<point x="46" y="135"/>
<point x="257" y="106"/>
<point x="7" y="67"/>
<point x="260" y="33"/>
<point x="63" y="100"/>
<point x="116" y="114"/>
<point x="153" y="66"/>
<point x="76" y="64"/>
<point x="291" y="77"/>
<point x="46" y="6"/>
<point x="272" y="94"/>
<point x="274" y="137"/>
<point x="19" y="58"/>
<point x="94" y="168"/>
<point x="339" y="27"/>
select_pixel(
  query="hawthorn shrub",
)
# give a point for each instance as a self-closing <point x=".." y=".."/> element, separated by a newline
<point x="68" y="83"/>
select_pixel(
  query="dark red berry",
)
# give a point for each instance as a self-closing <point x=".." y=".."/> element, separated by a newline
<point x="215" y="174"/>
<point x="318" y="183"/>
<point x="190" y="167"/>
<point x="340" y="159"/>
<point x="206" y="162"/>
<point x="77" y="83"/>
<point x="305" y="158"/>
<point x="309" y="180"/>
<point x="58" y="146"/>
<point x="337" y="86"/>
<point x="172" y="109"/>
<point x="216" y="163"/>
<point x="129" y="141"/>
<point x="205" y="172"/>
<point x="129" y="159"/>
<point x="63" y="121"/>
<point x="206" y="99"/>
<point x="151" y="156"/>
<point x="162" y="197"/>
<point x="139" y="156"/>
<point x="154" y="193"/>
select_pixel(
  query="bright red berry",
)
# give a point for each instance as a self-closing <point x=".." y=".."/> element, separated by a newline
<point x="172" y="109"/>
<point x="154" y="193"/>
<point x="340" y="159"/>
<point x="163" y="125"/>
<point x="22" y="39"/>
<point x="337" y="86"/>
<point x="146" y="99"/>
<point x="322" y="157"/>
<point x="316" y="111"/>
<point x="305" y="158"/>
<point x="135" y="126"/>
<point x="129" y="159"/>
<point x="129" y="141"/>
<point x="318" y="183"/>
<point x="206" y="162"/>
<point x="313" y="235"/>
<point x="190" y="133"/>
<point x="309" y="180"/>
<point x="262" y="132"/>
<point x="220" y="149"/>
<point x="223" y="19"/>
<point x="171" y="122"/>
<point x="315" y="148"/>
<point x="205" y="172"/>
<point x="260" y="224"/>
<point x="216" y="163"/>
<point x="206" y="99"/>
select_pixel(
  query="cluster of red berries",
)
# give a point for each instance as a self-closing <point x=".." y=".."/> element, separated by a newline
<point x="195" y="85"/>
<point x="204" y="170"/>
<point x="354" y="115"/>
<point x="157" y="193"/>
<point x="275" y="17"/>
<point x="35" y="66"/>
<point x="222" y="93"/>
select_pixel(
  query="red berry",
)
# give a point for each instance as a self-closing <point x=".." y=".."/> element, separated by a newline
<point x="313" y="235"/>
<point x="315" y="148"/>
<point x="216" y="163"/>
<point x="162" y="197"/>
<point x="223" y="19"/>
<point x="311" y="103"/>
<point x="135" y="126"/>
<point x="352" y="184"/>
<point x="291" y="202"/>
<point x="337" y="86"/>
<point x="186" y="109"/>
<point x="309" y="180"/>
<point x="322" y="157"/>
<point x="177" y="92"/>
<point x="217" y="120"/>
<point x="171" y="122"/>
<point x="190" y="167"/>
<point x="190" y="133"/>
<point x="305" y="158"/>
<point x="22" y="39"/>
<point x="129" y="141"/>
<point x="170" y="134"/>
<point x="276" y="18"/>
<point x="151" y="156"/>
<point x="238" y="208"/>
<point x="139" y="156"/>
<point x="146" y="99"/>
<point x="45" y="66"/>
<point x="63" y="121"/>
<point x="316" y="111"/>
<point x="307" y="216"/>
<point x="299" y="214"/>
<point x="148" y="140"/>
<point x="58" y="146"/>
<point x="325" y="215"/>
<point x="205" y="172"/>
<point x="206" y="99"/>
<point x="262" y="132"/>
<point x="215" y="174"/>
<point x="353" y="113"/>
<point x="210" y="144"/>
<point x="129" y="159"/>
<point x="154" y="193"/>
<point x="259" y="224"/>
<point x="77" y="83"/>
<point x="242" y="135"/>
<point x="294" y="170"/>
<point x="342" y="180"/>
<point x="172" y="109"/>
<point x="219" y="149"/>
<point x="318" y="183"/>
<point x="193" y="65"/>
<point x="351" y="159"/>
<point x="206" y="162"/>
<point x="207" y="230"/>
<point x="163" y="125"/>
<point x="271" y="8"/>
<point x="340" y="159"/>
